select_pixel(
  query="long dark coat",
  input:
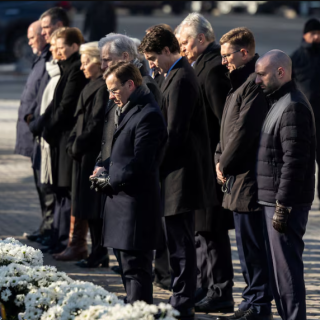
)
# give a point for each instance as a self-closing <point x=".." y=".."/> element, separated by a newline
<point x="84" y="147"/>
<point x="215" y="86"/>
<point x="132" y="218"/>
<point x="109" y="128"/>
<point x="242" y="119"/>
<point x="186" y="170"/>
<point x="61" y="120"/>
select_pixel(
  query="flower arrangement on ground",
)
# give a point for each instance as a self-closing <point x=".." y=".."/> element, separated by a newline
<point x="62" y="300"/>
<point x="137" y="311"/>
<point x="13" y="251"/>
<point x="17" y="280"/>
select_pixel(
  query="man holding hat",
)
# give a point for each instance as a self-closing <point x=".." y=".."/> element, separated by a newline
<point x="306" y="72"/>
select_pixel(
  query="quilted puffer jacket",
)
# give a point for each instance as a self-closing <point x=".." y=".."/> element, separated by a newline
<point x="286" y="156"/>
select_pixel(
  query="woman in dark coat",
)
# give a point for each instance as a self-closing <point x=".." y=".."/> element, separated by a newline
<point x="83" y="146"/>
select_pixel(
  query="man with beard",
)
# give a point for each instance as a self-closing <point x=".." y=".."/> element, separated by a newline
<point x="306" y="72"/>
<point x="286" y="179"/>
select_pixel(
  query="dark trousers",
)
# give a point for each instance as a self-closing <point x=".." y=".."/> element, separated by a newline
<point x="47" y="202"/>
<point x="136" y="268"/>
<point x="253" y="260"/>
<point x="214" y="263"/>
<point x="162" y="269"/>
<point x="95" y="227"/>
<point x="285" y="260"/>
<point x="181" y="245"/>
<point x="62" y="213"/>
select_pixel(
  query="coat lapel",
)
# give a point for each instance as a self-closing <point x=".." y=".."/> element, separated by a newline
<point x="126" y="118"/>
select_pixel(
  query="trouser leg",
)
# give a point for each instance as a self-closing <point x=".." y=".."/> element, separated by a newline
<point x="181" y="244"/>
<point x="253" y="261"/>
<point x="219" y="261"/>
<point x="95" y="227"/>
<point x="162" y="269"/>
<point x="136" y="274"/>
<point x="49" y="203"/>
<point x="286" y="256"/>
<point x="36" y="176"/>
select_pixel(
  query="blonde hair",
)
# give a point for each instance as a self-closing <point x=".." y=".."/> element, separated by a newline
<point x="91" y="49"/>
<point x="56" y="32"/>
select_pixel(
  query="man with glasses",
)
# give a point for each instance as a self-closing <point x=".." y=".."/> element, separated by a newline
<point x="132" y="212"/>
<point x="235" y="158"/>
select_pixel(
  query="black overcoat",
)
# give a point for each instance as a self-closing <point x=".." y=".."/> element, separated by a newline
<point x="132" y="218"/>
<point x="215" y="86"/>
<point x="84" y="147"/>
<point x="242" y="119"/>
<point x="61" y="120"/>
<point x="186" y="170"/>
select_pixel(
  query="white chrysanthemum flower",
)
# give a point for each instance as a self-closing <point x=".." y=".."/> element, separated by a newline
<point x="5" y="294"/>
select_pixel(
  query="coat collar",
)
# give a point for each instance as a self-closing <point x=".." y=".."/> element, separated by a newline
<point x="279" y="93"/>
<point x="212" y="51"/>
<point x="45" y="54"/>
<point x="66" y="64"/>
<point x="88" y="91"/>
<point x="173" y="72"/>
<point x="240" y="75"/>
<point x="138" y="99"/>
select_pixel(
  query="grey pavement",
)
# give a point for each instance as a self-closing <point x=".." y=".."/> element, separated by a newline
<point x="19" y="205"/>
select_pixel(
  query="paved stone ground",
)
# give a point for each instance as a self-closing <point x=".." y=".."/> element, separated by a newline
<point x="20" y="212"/>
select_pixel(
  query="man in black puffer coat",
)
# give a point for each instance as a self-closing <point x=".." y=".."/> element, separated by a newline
<point x="286" y="179"/>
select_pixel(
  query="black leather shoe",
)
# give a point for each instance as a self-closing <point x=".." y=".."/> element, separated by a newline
<point x="237" y="315"/>
<point x="208" y="305"/>
<point x="200" y="294"/>
<point x="251" y="314"/>
<point x="186" y="314"/>
<point x="90" y="263"/>
<point x="116" y="269"/>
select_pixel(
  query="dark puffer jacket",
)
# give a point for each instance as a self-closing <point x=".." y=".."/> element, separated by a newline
<point x="242" y="119"/>
<point x="286" y="157"/>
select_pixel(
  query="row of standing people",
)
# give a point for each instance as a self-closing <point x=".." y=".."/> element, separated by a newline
<point x="194" y="102"/>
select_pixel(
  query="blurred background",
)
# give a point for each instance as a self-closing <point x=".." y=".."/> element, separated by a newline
<point x="275" y="24"/>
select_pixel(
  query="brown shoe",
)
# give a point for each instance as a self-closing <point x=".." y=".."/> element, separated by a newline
<point x="77" y="248"/>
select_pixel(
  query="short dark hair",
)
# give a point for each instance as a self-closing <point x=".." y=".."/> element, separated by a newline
<point x="70" y="36"/>
<point x="163" y="25"/>
<point x="57" y="14"/>
<point x="157" y="39"/>
<point x="125" y="71"/>
<point x="240" y="37"/>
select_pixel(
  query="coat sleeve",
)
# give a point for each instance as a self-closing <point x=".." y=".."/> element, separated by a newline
<point x="217" y="86"/>
<point x="217" y="154"/>
<point x="183" y="98"/>
<point x="149" y="137"/>
<point x="246" y="129"/>
<point x="296" y="134"/>
<point x="67" y="106"/>
<point x="94" y="128"/>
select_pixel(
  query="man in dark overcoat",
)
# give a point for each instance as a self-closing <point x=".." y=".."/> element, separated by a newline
<point x="242" y="119"/>
<point x="186" y="169"/>
<point x="59" y="121"/>
<point x="25" y="140"/>
<point x="286" y="179"/>
<point x="132" y="215"/>
<point x="215" y="272"/>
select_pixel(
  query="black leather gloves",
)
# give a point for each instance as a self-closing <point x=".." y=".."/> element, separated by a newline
<point x="102" y="184"/>
<point x="280" y="218"/>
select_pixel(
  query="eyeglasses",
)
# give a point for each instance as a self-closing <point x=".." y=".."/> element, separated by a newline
<point x="229" y="54"/>
<point x="113" y="91"/>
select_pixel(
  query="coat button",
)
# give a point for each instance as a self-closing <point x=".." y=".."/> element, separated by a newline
<point x="103" y="142"/>
<point x="111" y="163"/>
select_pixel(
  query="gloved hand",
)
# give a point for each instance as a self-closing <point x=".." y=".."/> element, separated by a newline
<point x="280" y="218"/>
<point x="102" y="184"/>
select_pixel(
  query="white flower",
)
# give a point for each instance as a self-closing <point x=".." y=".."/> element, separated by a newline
<point x="5" y="294"/>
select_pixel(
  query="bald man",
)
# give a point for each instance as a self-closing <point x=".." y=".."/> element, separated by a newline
<point x="286" y="179"/>
<point x="25" y="140"/>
